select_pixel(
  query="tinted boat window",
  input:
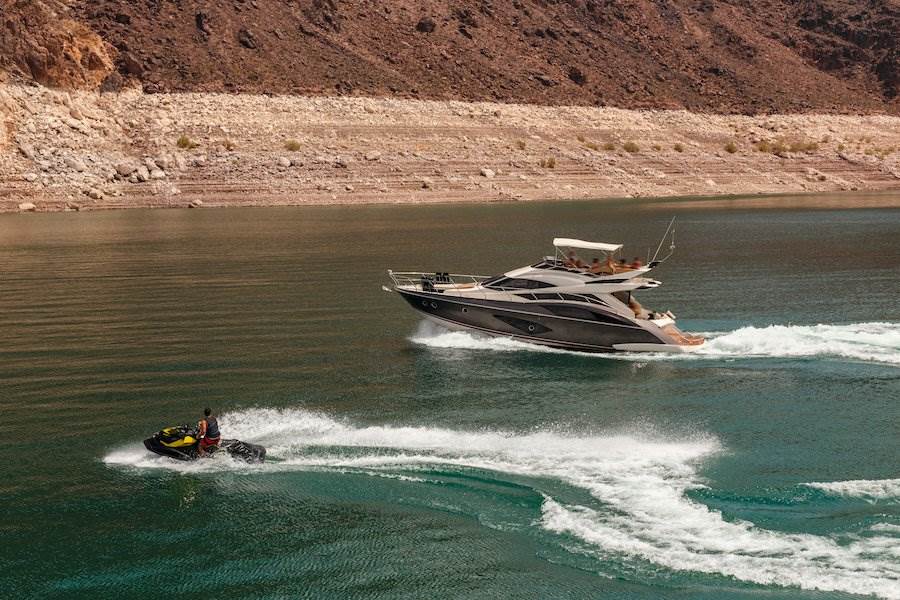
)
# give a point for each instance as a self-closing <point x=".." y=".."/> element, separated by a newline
<point x="517" y="284"/>
<point x="570" y="311"/>
<point x="575" y="312"/>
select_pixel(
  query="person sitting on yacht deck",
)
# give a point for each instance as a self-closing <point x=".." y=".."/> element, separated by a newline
<point x="572" y="260"/>
<point x="622" y="266"/>
<point x="609" y="267"/>
<point x="635" y="307"/>
<point x="596" y="266"/>
<point x="637" y="263"/>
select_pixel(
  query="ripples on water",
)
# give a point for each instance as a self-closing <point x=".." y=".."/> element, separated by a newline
<point x="408" y="461"/>
<point x="638" y="483"/>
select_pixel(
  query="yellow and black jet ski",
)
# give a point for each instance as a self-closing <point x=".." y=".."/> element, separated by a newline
<point x="182" y="443"/>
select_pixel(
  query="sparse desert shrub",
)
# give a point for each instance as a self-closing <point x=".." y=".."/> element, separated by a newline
<point x="657" y="147"/>
<point x="631" y="147"/>
<point x="520" y="144"/>
<point x="609" y="146"/>
<point x="548" y="163"/>
<point x="229" y="145"/>
<point x="186" y="143"/>
<point x="591" y="146"/>
<point x="840" y="147"/>
<point x="764" y="146"/>
<point x="731" y="147"/>
<point x="581" y="138"/>
<point x="779" y="148"/>
<point x="678" y="148"/>
<point x="799" y="146"/>
<point x="292" y="145"/>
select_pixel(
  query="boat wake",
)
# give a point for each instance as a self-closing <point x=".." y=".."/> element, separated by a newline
<point x="877" y="490"/>
<point x="640" y="509"/>
<point x="869" y="342"/>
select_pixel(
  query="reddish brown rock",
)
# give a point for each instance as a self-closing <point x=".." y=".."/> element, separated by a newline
<point x="733" y="56"/>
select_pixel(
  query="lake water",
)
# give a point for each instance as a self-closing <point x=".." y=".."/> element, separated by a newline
<point x="409" y="462"/>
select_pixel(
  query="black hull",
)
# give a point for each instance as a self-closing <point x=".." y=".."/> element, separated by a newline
<point x="251" y="453"/>
<point x="593" y="330"/>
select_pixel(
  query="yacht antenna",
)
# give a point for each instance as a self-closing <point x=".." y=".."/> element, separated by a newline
<point x="671" y="228"/>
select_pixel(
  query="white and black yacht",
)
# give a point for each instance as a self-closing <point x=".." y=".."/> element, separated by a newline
<point x="557" y="302"/>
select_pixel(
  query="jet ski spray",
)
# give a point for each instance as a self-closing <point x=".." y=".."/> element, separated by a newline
<point x="186" y="442"/>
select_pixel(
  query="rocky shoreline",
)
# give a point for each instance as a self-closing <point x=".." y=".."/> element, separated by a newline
<point x="87" y="151"/>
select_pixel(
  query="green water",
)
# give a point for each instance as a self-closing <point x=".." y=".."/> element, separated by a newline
<point x="409" y="462"/>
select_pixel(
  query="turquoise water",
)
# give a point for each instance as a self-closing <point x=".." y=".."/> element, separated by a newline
<point x="410" y="462"/>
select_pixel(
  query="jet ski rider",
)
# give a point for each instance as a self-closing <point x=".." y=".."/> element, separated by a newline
<point x="209" y="432"/>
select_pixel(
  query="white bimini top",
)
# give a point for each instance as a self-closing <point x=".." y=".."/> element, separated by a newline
<point x="573" y="243"/>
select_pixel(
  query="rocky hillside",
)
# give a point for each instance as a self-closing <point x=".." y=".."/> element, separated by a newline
<point x="743" y="56"/>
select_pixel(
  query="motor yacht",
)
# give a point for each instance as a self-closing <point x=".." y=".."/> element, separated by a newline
<point x="557" y="302"/>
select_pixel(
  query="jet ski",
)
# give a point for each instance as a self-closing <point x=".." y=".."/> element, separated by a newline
<point x="182" y="443"/>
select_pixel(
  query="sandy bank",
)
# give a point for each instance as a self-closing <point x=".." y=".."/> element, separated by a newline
<point x="85" y="151"/>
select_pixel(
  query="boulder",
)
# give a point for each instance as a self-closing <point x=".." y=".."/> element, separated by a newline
<point x="27" y="207"/>
<point x="157" y="174"/>
<point x="75" y="164"/>
<point x="94" y="193"/>
<point x="202" y="22"/>
<point x="577" y="75"/>
<point x="425" y="25"/>
<point x="30" y="177"/>
<point x="247" y="39"/>
<point x="284" y="162"/>
<point x="489" y="173"/>
<point x="195" y="204"/>
<point x="114" y="82"/>
<point x="373" y="155"/>
<point x="143" y="173"/>
<point x="125" y="169"/>
<point x="131" y="65"/>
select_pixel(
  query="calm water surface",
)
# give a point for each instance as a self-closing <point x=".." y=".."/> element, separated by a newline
<point x="409" y="462"/>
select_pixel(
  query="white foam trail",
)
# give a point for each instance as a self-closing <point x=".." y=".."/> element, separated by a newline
<point x="136" y="456"/>
<point x="639" y="482"/>
<point x="875" y="342"/>
<point x="867" y="489"/>
<point x="870" y="342"/>
<point x="434" y="336"/>
<point x="693" y="538"/>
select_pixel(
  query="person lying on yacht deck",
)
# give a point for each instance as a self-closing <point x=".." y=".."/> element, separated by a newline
<point x="637" y="263"/>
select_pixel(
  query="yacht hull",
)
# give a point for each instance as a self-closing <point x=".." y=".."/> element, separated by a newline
<point x="598" y="331"/>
